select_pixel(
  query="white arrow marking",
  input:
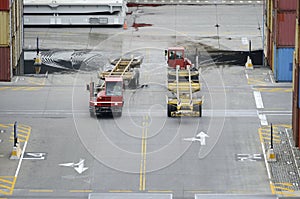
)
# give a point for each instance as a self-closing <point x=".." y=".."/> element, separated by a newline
<point x="34" y="156"/>
<point x="79" y="167"/>
<point x="192" y="139"/>
<point x="202" y="137"/>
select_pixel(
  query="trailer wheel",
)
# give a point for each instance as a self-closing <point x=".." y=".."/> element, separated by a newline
<point x="169" y="110"/>
<point x="195" y="78"/>
<point x="198" y="108"/>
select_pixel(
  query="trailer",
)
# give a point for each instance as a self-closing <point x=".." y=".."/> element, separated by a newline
<point x="183" y="82"/>
<point x="125" y="67"/>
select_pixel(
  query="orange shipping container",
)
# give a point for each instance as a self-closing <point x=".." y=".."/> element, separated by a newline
<point x="4" y="5"/>
<point x="5" y="69"/>
<point x="284" y="26"/>
<point x="286" y="5"/>
<point x="4" y="28"/>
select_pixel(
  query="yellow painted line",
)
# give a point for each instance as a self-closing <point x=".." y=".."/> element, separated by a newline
<point x="4" y="88"/>
<point x="21" y="135"/>
<point x="5" y="180"/>
<point x="284" y="125"/>
<point x="9" y="186"/>
<point x="26" y="128"/>
<point x="4" y="126"/>
<point x="256" y="81"/>
<point x="160" y="191"/>
<point x="284" y="184"/>
<point x="120" y="191"/>
<point x="18" y="88"/>
<point x="283" y="189"/>
<point x="275" y="140"/>
<point x="4" y="193"/>
<point x="272" y="188"/>
<point x="142" y="160"/>
<point x="5" y="187"/>
<point x="199" y="191"/>
<point x="13" y="185"/>
<point x="143" y="155"/>
<point x="41" y="190"/>
<point x="81" y="191"/>
<point x="265" y="134"/>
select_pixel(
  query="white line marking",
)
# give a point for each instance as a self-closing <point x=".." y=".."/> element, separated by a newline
<point x="21" y="159"/>
<point x="258" y="100"/>
<point x="263" y="119"/>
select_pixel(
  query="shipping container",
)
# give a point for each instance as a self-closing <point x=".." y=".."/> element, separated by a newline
<point x="284" y="28"/>
<point x="16" y="36"/>
<point x="5" y="67"/>
<point x="286" y="5"/>
<point x="4" y="28"/>
<point x="283" y="64"/>
<point x="269" y="11"/>
<point x="269" y="49"/>
<point x="4" y="5"/>
<point x="295" y="125"/>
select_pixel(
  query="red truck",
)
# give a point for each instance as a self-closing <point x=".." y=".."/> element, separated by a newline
<point x="108" y="97"/>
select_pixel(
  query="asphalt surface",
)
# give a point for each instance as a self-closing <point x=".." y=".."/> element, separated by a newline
<point x="144" y="151"/>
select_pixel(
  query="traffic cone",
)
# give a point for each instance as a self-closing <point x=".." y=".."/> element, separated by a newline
<point x="125" y="25"/>
<point x="249" y="64"/>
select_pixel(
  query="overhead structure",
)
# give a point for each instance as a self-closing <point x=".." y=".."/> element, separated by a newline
<point x="74" y="12"/>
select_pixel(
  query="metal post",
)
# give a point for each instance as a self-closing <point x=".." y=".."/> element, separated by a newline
<point x="15" y="135"/>
<point x="249" y="47"/>
<point x="271" y="136"/>
<point x="197" y="59"/>
<point x="37" y="46"/>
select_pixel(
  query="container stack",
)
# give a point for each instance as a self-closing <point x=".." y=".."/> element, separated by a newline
<point x="296" y="82"/>
<point x="5" y="63"/>
<point x="280" y="22"/>
<point x="11" y="38"/>
<point x="268" y="28"/>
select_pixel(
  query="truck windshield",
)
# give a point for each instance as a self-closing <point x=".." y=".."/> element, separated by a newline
<point x="113" y="88"/>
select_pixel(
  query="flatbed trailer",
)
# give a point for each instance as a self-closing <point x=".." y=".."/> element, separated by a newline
<point x="127" y="68"/>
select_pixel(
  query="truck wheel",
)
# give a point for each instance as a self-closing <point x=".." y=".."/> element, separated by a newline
<point x="200" y="110"/>
<point x="133" y="83"/>
<point x="195" y="78"/>
<point x="92" y="114"/>
<point x="117" y="114"/>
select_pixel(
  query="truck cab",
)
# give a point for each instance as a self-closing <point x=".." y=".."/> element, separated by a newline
<point x="175" y="57"/>
<point x="109" y="97"/>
